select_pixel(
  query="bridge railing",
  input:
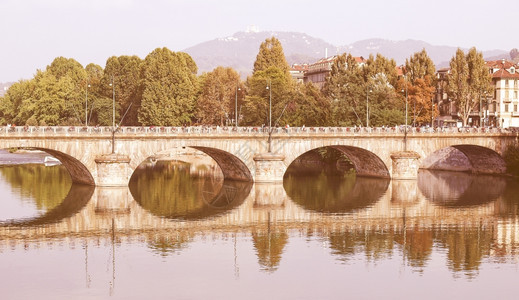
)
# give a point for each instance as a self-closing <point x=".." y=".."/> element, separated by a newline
<point x="217" y="130"/>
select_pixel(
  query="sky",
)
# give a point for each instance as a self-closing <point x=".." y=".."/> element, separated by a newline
<point x="34" y="32"/>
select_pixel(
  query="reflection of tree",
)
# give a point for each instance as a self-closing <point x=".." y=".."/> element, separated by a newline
<point x="375" y="245"/>
<point x="166" y="245"/>
<point x="269" y="248"/>
<point x="460" y="189"/>
<point x="334" y="194"/>
<point x="466" y="246"/>
<point x="168" y="190"/>
<point x="418" y="244"/>
<point x="47" y="186"/>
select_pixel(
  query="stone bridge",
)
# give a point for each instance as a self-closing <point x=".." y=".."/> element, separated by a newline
<point x="103" y="157"/>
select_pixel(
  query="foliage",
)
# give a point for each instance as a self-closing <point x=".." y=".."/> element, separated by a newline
<point x="270" y="83"/>
<point x="169" y="88"/>
<point x="219" y="92"/>
<point x="468" y="81"/>
<point x="126" y="72"/>
<point x="271" y="55"/>
<point x="359" y="94"/>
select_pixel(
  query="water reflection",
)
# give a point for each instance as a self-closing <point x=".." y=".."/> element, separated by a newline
<point x="167" y="189"/>
<point x="337" y="226"/>
<point x="460" y="189"/>
<point x="334" y="194"/>
<point x="49" y="189"/>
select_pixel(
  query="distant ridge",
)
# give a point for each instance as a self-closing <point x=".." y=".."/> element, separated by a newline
<point x="239" y="50"/>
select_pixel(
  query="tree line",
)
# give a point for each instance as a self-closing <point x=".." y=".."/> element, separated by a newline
<point x="163" y="89"/>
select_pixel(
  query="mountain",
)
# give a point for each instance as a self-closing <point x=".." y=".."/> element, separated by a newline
<point x="239" y="50"/>
<point x="401" y="50"/>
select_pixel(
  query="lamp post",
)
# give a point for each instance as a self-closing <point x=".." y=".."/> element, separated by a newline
<point x="405" y="129"/>
<point x="269" y="88"/>
<point x="368" y="90"/>
<point x="112" y="84"/>
<point x="236" y="107"/>
<point x="86" y="104"/>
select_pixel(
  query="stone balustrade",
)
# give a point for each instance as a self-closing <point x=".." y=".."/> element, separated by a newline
<point x="226" y="130"/>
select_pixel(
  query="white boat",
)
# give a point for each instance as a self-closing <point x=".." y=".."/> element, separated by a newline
<point x="51" y="161"/>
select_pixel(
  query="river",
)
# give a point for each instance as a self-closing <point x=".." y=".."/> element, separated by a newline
<point x="172" y="235"/>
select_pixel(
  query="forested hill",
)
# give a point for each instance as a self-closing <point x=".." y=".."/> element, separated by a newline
<point x="239" y="50"/>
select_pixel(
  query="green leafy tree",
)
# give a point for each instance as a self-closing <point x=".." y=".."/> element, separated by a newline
<point x="126" y="72"/>
<point x="346" y="90"/>
<point x="271" y="55"/>
<point x="219" y="92"/>
<point x="363" y="93"/>
<point x="169" y="88"/>
<point x="468" y="81"/>
<point x="272" y="70"/>
<point x="307" y="106"/>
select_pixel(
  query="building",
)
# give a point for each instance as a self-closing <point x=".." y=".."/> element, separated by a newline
<point x="318" y="71"/>
<point x="500" y="109"/>
<point x="503" y="106"/>
<point x="298" y="72"/>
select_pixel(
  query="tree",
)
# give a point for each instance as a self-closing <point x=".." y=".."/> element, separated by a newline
<point x="272" y="70"/>
<point x="345" y="90"/>
<point x="169" y="88"/>
<point x="126" y="72"/>
<point x="271" y="55"/>
<point x="363" y="93"/>
<point x="419" y="70"/>
<point x="468" y="81"/>
<point x="216" y="103"/>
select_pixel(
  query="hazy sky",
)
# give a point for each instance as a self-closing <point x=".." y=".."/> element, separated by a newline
<point x="34" y="32"/>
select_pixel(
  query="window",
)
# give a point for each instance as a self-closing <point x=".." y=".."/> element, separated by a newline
<point x="515" y="107"/>
<point x="515" y="94"/>
<point x="506" y="107"/>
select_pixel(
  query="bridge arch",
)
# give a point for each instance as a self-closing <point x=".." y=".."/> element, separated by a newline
<point x="365" y="162"/>
<point x="232" y="167"/>
<point x="465" y="158"/>
<point x="78" y="172"/>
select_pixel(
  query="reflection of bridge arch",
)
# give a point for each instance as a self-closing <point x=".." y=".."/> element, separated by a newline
<point x="365" y="162"/>
<point x="452" y="189"/>
<point x="232" y="167"/>
<point x="331" y="195"/>
<point x="76" y="199"/>
<point x="466" y="158"/>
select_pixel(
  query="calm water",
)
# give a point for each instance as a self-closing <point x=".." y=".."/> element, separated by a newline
<point x="173" y="236"/>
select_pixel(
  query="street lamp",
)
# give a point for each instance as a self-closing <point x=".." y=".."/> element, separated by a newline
<point x="236" y="107"/>
<point x="269" y="88"/>
<point x="86" y="104"/>
<point x="405" y="129"/>
<point x="112" y="84"/>
<point x="367" y="104"/>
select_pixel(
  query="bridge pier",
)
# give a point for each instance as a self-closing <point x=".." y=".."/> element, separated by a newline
<point x="405" y="165"/>
<point x="269" y="167"/>
<point x="113" y="170"/>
